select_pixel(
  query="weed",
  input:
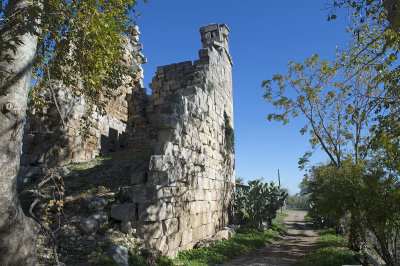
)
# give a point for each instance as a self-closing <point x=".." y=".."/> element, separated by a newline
<point x="279" y="218"/>
<point x="136" y="259"/>
<point x="210" y="87"/>
<point x="229" y="134"/>
<point x="331" y="251"/>
<point x="303" y="233"/>
<point x="105" y="260"/>
<point x="329" y="231"/>
<point x="330" y="240"/>
<point x="197" y="80"/>
<point x="329" y="256"/>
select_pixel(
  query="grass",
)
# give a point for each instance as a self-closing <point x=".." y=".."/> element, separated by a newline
<point x="331" y="250"/>
<point x="242" y="242"/>
<point x="279" y="217"/>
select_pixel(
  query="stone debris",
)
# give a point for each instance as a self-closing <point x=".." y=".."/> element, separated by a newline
<point x="123" y="212"/>
<point x="209" y="242"/>
<point x="93" y="223"/>
<point x="225" y="233"/>
<point x="119" y="254"/>
<point x="127" y="227"/>
<point x="62" y="171"/>
<point x="97" y="203"/>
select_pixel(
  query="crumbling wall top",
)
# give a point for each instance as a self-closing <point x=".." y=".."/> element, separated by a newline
<point x="215" y="34"/>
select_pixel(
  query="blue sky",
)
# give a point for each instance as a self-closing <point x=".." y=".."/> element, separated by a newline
<point x="265" y="36"/>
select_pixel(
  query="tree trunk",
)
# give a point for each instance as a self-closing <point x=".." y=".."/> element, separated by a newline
<point x="18" y="233"/>
<point x="356" y="234"/>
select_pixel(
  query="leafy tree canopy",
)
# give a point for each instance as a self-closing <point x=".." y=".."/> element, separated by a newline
<point x="80" y="44"/>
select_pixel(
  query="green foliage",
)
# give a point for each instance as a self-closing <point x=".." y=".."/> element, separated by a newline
<point x="279" y="219"/>
<point x="229" y="134"/>
<point x="136" y="259"/>
<point x="330" y="251"/>
<point x="237" y="245"/>
<point x="105" y="260"/>
<point x="261" y="202"/>
<point x="210" y="87"/>
<point x="329" y="256"/>
<point x="332" y="240"/>
<point x="329" y="231"/>
<point x="336" y="102"/>
<point x="375" y="44"/>
<point x="80" y="42"/>
<point x="239" y="180"/>
<point x="164" y="261"/>
<point x="368" y="193"/>
<point x="298" y="202"/>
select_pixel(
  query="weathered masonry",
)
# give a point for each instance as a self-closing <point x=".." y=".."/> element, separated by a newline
<point x="47" y="141"/>
<point x="182" y="192"/>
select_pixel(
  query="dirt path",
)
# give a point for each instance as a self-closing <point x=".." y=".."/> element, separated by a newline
<point x="285" y="251"/>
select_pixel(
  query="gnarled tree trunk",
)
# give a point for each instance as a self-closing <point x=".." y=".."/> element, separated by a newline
<point x="17" y="232"/>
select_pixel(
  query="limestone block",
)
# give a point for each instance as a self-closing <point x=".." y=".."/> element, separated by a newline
<point x="187" y="236"/>
<point x="170" y="211"/>
<point x="172" y="253"/>
<point x="160" y="244"/>
<point x="171" y="135"/>
<point x="206" y="217"/>
<point x="136" y="194"/>
<point x="123" y="212"/>
<point x="93" y="223"/>
<point x="119" y="254"/>
<point x="156" y="163"/>
<point x="165" y="121"/>
<point x="184" y="222"/>
<point x="196" y="220"/>
<point x="170" y="226"/>
<point x="149" y="230"/>
<point x="225" y="233"/>
<point x="189" y="246"/>
<point x="128" y="227"/>
<point x="152" y="212"/>
<point x="158" y="178"/>
<point x="138" y="177"/>
<point x="211" y="229"/>
<point x="199" y="233"/>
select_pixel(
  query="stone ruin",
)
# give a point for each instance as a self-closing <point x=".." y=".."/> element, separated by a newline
<point x="182" y="192"/>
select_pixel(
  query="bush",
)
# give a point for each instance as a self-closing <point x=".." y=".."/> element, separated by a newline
<point x="298" y="202"/>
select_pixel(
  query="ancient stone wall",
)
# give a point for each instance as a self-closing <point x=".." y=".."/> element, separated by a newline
<point x="185" y="193"/>
<point x="182" y="192"/>
<point x="47" y="141"/>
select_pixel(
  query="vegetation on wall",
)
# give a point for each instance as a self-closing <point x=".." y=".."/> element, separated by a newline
<point x="229" y="135"/>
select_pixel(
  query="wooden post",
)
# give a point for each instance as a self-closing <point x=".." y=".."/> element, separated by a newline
<point x="279" y="183"/>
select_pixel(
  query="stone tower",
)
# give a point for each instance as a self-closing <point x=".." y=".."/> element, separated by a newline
<point x="190" y="176"/>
